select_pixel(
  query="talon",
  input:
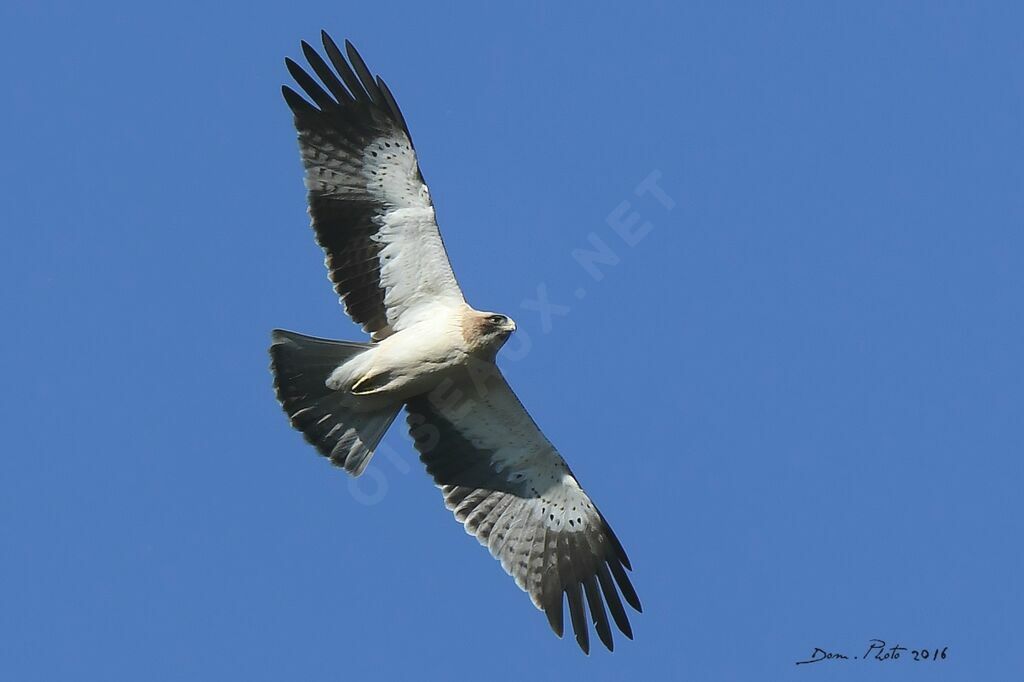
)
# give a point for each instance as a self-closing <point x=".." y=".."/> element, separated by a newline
<point x="368" y="384"/>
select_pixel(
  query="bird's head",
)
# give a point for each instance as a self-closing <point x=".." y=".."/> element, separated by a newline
<point x="490" y="331"/>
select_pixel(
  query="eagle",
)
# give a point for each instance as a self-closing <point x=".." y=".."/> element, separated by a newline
<point x="432" y="353"/>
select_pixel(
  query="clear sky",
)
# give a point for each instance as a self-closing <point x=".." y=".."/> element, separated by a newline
<point x="796" y="395"/>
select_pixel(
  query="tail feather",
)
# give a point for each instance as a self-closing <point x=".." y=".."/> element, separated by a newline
<point x="301" y="365"/>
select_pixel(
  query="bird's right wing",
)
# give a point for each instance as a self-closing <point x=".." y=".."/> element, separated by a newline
<point x="371" y="209"/>
<point x="511" y="489"/>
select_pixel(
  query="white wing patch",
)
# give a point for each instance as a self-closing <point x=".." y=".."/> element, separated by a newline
<point x="392" y="174"/>
<point x="414" y="269"/>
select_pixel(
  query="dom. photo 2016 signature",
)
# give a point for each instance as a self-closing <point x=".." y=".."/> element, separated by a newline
<point x="878" y="650"/>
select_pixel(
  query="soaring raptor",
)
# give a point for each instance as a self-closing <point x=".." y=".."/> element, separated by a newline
<point x="432" y="353"/>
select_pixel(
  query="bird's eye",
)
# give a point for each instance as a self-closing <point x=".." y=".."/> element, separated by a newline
<point x="497" y="319"/>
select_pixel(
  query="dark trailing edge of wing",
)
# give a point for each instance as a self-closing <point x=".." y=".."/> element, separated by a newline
<point x="356" y="86"/>
<point x="587" y="566"/>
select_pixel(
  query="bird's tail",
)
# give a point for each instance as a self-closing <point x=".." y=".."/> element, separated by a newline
<point x="301" y="365"/>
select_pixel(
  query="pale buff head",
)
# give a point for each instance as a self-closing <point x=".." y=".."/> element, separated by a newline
<point x="485" y="333"/>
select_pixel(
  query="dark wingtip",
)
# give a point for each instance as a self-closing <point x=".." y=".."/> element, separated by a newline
<point x="389" y="99"/>
<point x="327" y="40"/>
<point x="294" y="69"/>
<point x="633" y="600"/>
<point x="363" y="74"/>
<point x="295" y="101"/>
<point x="625" y="587"/>
<point x="598" y="615"/>
<point x="584" y="643"/>
<point x="619" y="549"/>
<point x="355" y="58"/>
<point x="613" y="600"/>
<point x="327" y="76"/>
<point x="554" y="614"/>
<point x="355" y="83"/>
<point x="574" y="593"/>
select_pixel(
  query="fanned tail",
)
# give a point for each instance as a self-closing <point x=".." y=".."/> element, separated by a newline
<point x="301" y="365"/>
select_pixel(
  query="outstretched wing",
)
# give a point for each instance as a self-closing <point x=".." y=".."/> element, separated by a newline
<point x="511" y="489"/>
<point x="371" y="209"/>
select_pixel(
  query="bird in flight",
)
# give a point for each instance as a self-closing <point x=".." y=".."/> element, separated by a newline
<point x="432" y="353"/>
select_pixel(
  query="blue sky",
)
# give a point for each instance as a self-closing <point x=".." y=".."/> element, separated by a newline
<point x="797" y="398"/>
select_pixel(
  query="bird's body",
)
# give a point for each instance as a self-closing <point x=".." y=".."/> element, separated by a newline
<point x="417" y="359"/>
<point x="431" y="353"/>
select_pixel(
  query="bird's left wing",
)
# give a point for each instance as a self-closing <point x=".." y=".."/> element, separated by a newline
<point x="511" y="489"/>
<point x="371" y="209"/>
